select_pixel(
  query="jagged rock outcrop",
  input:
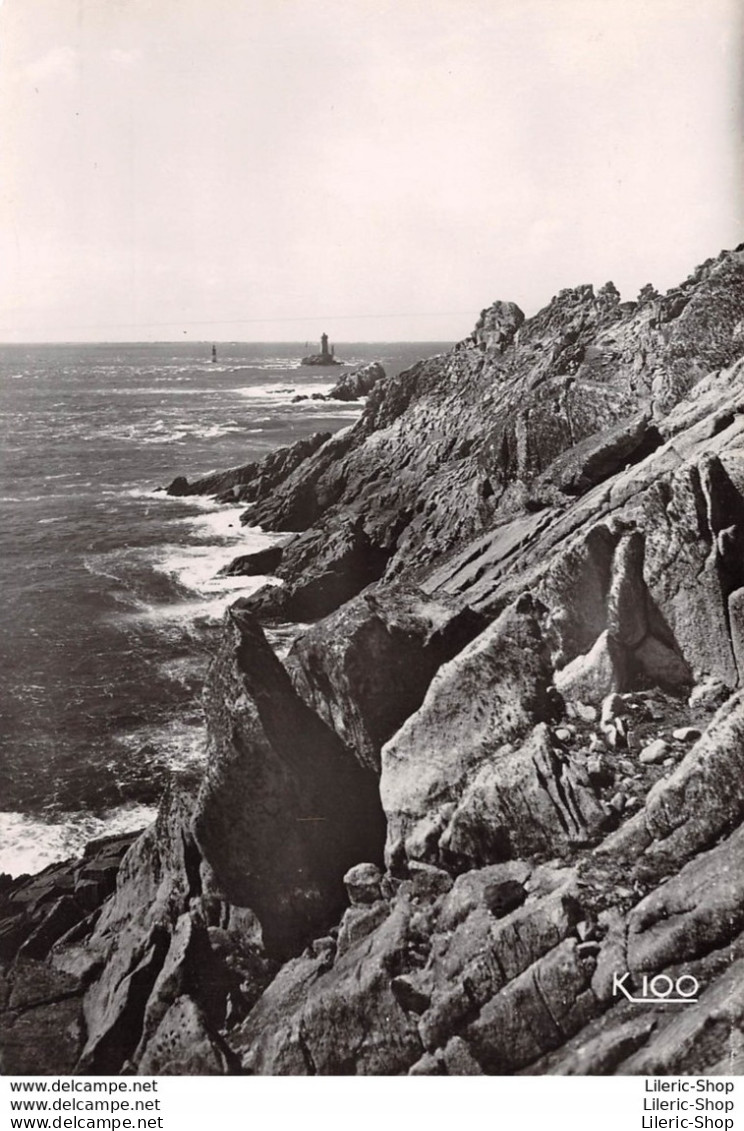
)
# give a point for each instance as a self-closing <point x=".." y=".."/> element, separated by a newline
<point x="527" y="689"/>
<point x="478" y="708"/>
<point x="259" y="563"/>
<point x="41" y="1006"/>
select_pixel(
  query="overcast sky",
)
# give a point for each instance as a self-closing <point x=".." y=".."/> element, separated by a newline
<point x="380" y="169"/>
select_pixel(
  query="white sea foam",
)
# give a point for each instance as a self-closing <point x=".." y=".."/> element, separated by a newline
<point x="201" y="503"/>
<point x="213" y="536"/>
<point x="28" y="844"/>
<point x="213" y="431"/>
<point x="277" y="363"/>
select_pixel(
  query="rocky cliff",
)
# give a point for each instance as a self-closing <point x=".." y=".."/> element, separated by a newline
<point x="502" y="766"/>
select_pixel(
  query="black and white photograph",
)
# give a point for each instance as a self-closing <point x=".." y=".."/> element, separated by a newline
<point x="371" y="542"/>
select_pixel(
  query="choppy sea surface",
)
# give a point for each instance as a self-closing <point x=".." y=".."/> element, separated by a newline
<point x="109" y="599"/>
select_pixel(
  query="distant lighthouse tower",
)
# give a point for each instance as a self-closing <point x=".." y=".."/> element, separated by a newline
<point x="324" y="346"/>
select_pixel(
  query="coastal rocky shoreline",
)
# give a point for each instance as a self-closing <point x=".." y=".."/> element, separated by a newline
<point x="502" y="765"/>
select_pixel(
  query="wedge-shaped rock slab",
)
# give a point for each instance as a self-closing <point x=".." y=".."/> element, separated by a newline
<point x="367" y="667"/>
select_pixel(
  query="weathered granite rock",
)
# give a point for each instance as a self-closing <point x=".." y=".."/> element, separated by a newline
<point x="41" y="1016"/>
<point x="591" y="677"/>
<point x="128" y="946"/>
<point x="189" y="967"/>
<point x="521" y="802"/>
<point x="694" y="912"/>
<point x="656" y="751"/>
<point x="363" y="884"/>
<point x="44" y="1040"/>
<point x="490" y="695"/>
<point x="535" y="1012"/>
<point x="579" y="368"/>
<point x="600" y="456"/>
<point x="366" y="668"/>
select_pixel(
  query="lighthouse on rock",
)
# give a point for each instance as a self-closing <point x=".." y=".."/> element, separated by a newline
<point x="325" y="357"/>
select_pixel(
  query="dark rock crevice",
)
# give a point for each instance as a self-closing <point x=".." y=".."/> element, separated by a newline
<point x="560" y="772"/>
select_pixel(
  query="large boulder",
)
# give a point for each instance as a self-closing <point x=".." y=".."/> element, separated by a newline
<point x="577" y="479"/>
<point x="497" y="325"/>
<point x="284" y="809"/>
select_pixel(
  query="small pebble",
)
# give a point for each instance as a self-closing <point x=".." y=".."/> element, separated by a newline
<point x="563" y="734"/>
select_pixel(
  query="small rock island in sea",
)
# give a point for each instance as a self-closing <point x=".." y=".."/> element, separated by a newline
<point x="325" y="357"/>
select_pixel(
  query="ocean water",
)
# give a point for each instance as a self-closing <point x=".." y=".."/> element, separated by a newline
<point x="110" y="603"/>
